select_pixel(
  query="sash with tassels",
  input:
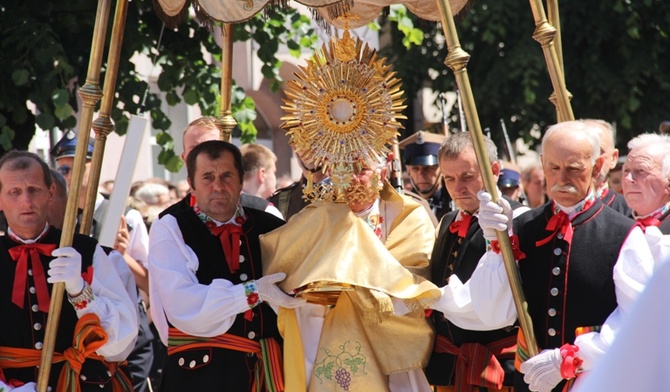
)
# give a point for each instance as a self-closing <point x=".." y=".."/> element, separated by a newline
<point x="476" y="364"/>
<point x="89" y="336"/>
<point x="268" y="370"/>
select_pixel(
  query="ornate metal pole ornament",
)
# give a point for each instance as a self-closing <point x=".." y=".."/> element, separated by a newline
<point x="342" y="113"/>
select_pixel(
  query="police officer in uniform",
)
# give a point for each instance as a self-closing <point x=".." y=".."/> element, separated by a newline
<point x="420" y="157"/>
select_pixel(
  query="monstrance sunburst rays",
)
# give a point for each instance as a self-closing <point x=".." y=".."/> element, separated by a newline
<point x="343" y="109"/>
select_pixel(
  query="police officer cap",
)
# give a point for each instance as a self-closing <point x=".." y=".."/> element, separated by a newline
<point x="422" y="148"/>
<point x="68" y="144"/>
<point x="508" y="179"/>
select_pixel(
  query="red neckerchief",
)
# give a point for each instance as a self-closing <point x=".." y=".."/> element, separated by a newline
<point x="562" y="223"/>
<point x="461" y="224"/>
<point x="229" y="235"/>
<point x="21" y="254"/>
<point x="653" y="219"/>
<point x="649" y="221"/>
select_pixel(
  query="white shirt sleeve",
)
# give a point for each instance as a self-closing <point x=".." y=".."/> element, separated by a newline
<point x="632" y="271"/>
<point x="482" y="303"/>
<point x="117" y="312"/>
<point x="176" y="294"/>
<point x="637" y="359"/>
<point x="138" y="243"/>
<point x="125" y="274"/>
<point x="485" y="301"/>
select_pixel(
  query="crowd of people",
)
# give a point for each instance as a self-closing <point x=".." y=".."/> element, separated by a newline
<point x="223" y="282"/>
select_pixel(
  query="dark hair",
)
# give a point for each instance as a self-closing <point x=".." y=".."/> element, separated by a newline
<point x="21" y="160"/>
<point x="213" y="149"/>
<point x="455" y="144"/>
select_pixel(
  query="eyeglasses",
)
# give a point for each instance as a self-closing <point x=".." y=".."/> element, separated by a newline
<point x="64" y="169"/>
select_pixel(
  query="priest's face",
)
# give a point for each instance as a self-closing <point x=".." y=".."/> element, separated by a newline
<point x="25" y="198"/>
<point x="216" y="185"/>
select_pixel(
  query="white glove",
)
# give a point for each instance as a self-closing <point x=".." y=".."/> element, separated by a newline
<point x="66" y="268"/>
<point x="543" y="372"/>
<point x="493" y="216"/>
<point x="269" y="292"/>
<point x="27" y="387"/>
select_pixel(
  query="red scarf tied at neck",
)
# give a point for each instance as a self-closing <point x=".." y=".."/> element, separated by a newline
<point x="229" y="235"/>
<point x="461" y="226"/>
<point x="559" y="223"/>
<point x="20" y="255"/>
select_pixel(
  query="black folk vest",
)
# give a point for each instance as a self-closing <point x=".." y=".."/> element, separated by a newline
<point x="214" y="368"/>
<point x="25" y="328"/>
<point x="570" y="285"/>
<point x="454" y="255"/>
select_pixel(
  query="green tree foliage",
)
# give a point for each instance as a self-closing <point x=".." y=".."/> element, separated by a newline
<point x="45" y="53"/>
<point x="616" y="57"/>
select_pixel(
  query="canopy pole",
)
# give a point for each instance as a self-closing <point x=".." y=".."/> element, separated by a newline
<point x="457" y="59"/>
<point x="226" y="122"/>
<point x="90" y="94"/>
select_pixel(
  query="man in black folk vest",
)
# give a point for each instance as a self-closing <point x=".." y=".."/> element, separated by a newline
<point x="95" y="295"/>
<point x="459" y="246"/>
<point x="582" y="265"/>
<point x="211" y="305"/>
<point x="200" y="130"/>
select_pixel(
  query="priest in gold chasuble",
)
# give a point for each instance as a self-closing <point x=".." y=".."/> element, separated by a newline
<point x="357" y="252"/>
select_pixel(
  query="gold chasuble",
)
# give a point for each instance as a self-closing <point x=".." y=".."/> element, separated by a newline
<point x="363" y="339"/>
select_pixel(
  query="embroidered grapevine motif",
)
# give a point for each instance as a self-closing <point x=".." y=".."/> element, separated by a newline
<point x="340" y="367"/>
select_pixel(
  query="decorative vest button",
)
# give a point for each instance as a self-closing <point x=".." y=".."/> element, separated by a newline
<point x="244" y="277"/>
<point x="556" y="271"/>
<point x="242" y="258"/>
<point x="30" y="271"/>
<point x="83" y="378"/>
<point x="35" y="308"/>
<point x="553" y="291"/>
<point x="205" y="358"/>
<point x="551" y="332"/>
<point x="251" y="335"/>
<point x="552" y="312"/>
<point x="181" y="361"/>
<point x="37" y="326"/>
<point x="191" y="364"/>
<point x="32" y="290"/>
<point x="38" y="345"/>
<point x="558" y="251"/>
<point x="559" y="236"/>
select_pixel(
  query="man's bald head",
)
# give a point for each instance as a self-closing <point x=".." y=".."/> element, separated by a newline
<point x="605" y="133"/>
<point x="200" y="130"/>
